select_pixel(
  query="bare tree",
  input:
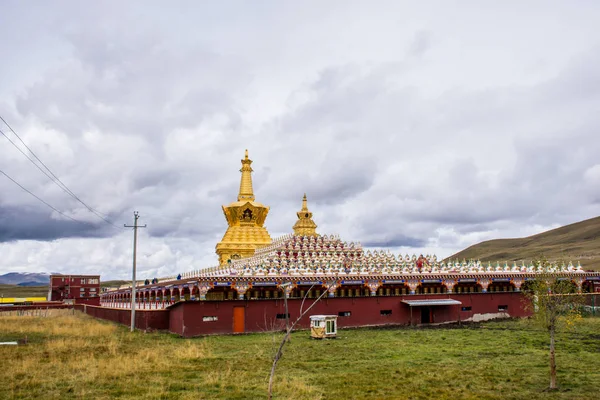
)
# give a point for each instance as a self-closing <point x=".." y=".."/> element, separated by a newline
<point x="555" y="303"/>
<point x="288" y="332"/>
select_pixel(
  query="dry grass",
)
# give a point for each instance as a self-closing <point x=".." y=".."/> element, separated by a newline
<point x="32" y="312"/>
<point x="76" y="357"/>
<point x="576" y="242"/>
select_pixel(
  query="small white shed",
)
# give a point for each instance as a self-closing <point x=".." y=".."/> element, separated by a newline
<point x="323" y="326"/>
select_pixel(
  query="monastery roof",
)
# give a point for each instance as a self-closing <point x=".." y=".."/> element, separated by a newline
<point x="326" y="255"/>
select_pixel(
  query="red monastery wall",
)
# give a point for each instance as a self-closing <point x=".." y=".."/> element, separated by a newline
<point x="92" y="301"/>
<point x="194" y="318"/>
<point x="144" y="319"/>
<point x="217" y="317"/>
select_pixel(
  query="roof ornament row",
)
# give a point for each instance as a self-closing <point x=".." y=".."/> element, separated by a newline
<point x="338" y="268"/>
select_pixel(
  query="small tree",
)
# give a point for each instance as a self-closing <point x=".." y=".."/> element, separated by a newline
<point x="288" y="333"/>
<point x="555" y="303"/>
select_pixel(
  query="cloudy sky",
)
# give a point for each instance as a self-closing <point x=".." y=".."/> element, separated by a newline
<point x="422" y="127"/>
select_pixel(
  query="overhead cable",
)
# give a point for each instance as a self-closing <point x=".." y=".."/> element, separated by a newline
<point x="50" y="174"/>
<point x="40" y="199"/>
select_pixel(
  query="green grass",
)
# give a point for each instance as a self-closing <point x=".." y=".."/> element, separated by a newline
<point x="42" y="291"/>
<point x="76" y="357"/>
<point x="23" y="291"/>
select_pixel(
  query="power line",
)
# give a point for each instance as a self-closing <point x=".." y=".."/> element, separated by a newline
<point x="58" y="211"/>
<point x="38" y="167"/>
<point x="55" y="179"/>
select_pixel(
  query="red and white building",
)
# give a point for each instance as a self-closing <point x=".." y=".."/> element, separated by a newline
<point x="81" y="289"/>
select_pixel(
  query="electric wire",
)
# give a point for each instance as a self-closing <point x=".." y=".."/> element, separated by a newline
<point x="51" y="175"/>
<point x="40" y="199"/>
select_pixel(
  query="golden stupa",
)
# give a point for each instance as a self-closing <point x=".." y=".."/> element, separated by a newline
<point x="245" y="218"/>
<point x="305" y="226"/>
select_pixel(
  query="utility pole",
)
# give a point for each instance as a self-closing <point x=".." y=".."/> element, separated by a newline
<point x="135" y="227"/>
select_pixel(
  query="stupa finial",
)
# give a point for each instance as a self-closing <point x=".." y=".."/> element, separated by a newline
<point x="246" y="191"/>
<point x="305" y="226"/>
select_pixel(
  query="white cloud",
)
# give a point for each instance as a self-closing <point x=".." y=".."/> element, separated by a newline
<point x="417" y="128"/>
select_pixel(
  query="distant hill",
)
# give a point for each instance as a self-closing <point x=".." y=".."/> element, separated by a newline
<point x="31" y="278"/>
<point x="106" y="284"/>
<point x="577" y="242"/>
<point x="29" y="283"/>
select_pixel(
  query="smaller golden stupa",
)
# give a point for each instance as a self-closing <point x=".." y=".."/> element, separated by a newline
<point x="305" y="226"/>
<point x="246" y="218"/>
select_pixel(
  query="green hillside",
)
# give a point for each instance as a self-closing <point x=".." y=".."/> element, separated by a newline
<point x="113" y="283"/>
<point x="577" y="242"/>
<point x="23" y="291"/>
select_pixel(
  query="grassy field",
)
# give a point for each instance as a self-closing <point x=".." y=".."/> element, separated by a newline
<point x="23" y="291"/>
<point x="576" y="242"/>
<point x="42" y="291"/>
<point x="75" y="357"/>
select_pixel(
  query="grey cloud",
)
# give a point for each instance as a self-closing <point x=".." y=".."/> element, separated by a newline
<point x="535" y="181"/>
<point x="24" y="223"/>
<point x="396" y="241"/>
<point x="421" y="43"/>
<point x="132" y="83"/>
<point x="333" y="182"/>
<point x="151" y="178"/>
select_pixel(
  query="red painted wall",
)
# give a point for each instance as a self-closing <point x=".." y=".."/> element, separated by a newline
<point x="144" y="319"/>
<point x="90" y="301"/>
<point x="186" y="318"/>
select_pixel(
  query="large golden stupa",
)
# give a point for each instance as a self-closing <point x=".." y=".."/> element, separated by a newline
<point x="245" y="218"/>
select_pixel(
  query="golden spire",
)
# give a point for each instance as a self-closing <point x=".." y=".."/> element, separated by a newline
<point x="246" y="192"/>
<point x="245" y="219"/>
<point x="305" y="226"/>
<point x="304" y="203"/>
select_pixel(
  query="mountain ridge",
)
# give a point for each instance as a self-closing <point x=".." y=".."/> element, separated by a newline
<point x="30" y="278"/>
<point x="579" y="241"/>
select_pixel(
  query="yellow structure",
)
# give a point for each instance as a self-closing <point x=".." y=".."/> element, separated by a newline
<point x="245" y="218"/>
<point x="13" y="300"/>
<point x="305" y="226"/>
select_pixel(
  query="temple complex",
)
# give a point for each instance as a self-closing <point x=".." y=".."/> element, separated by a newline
<point x="246" y="219"/>
<point x="244" y="291"/>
